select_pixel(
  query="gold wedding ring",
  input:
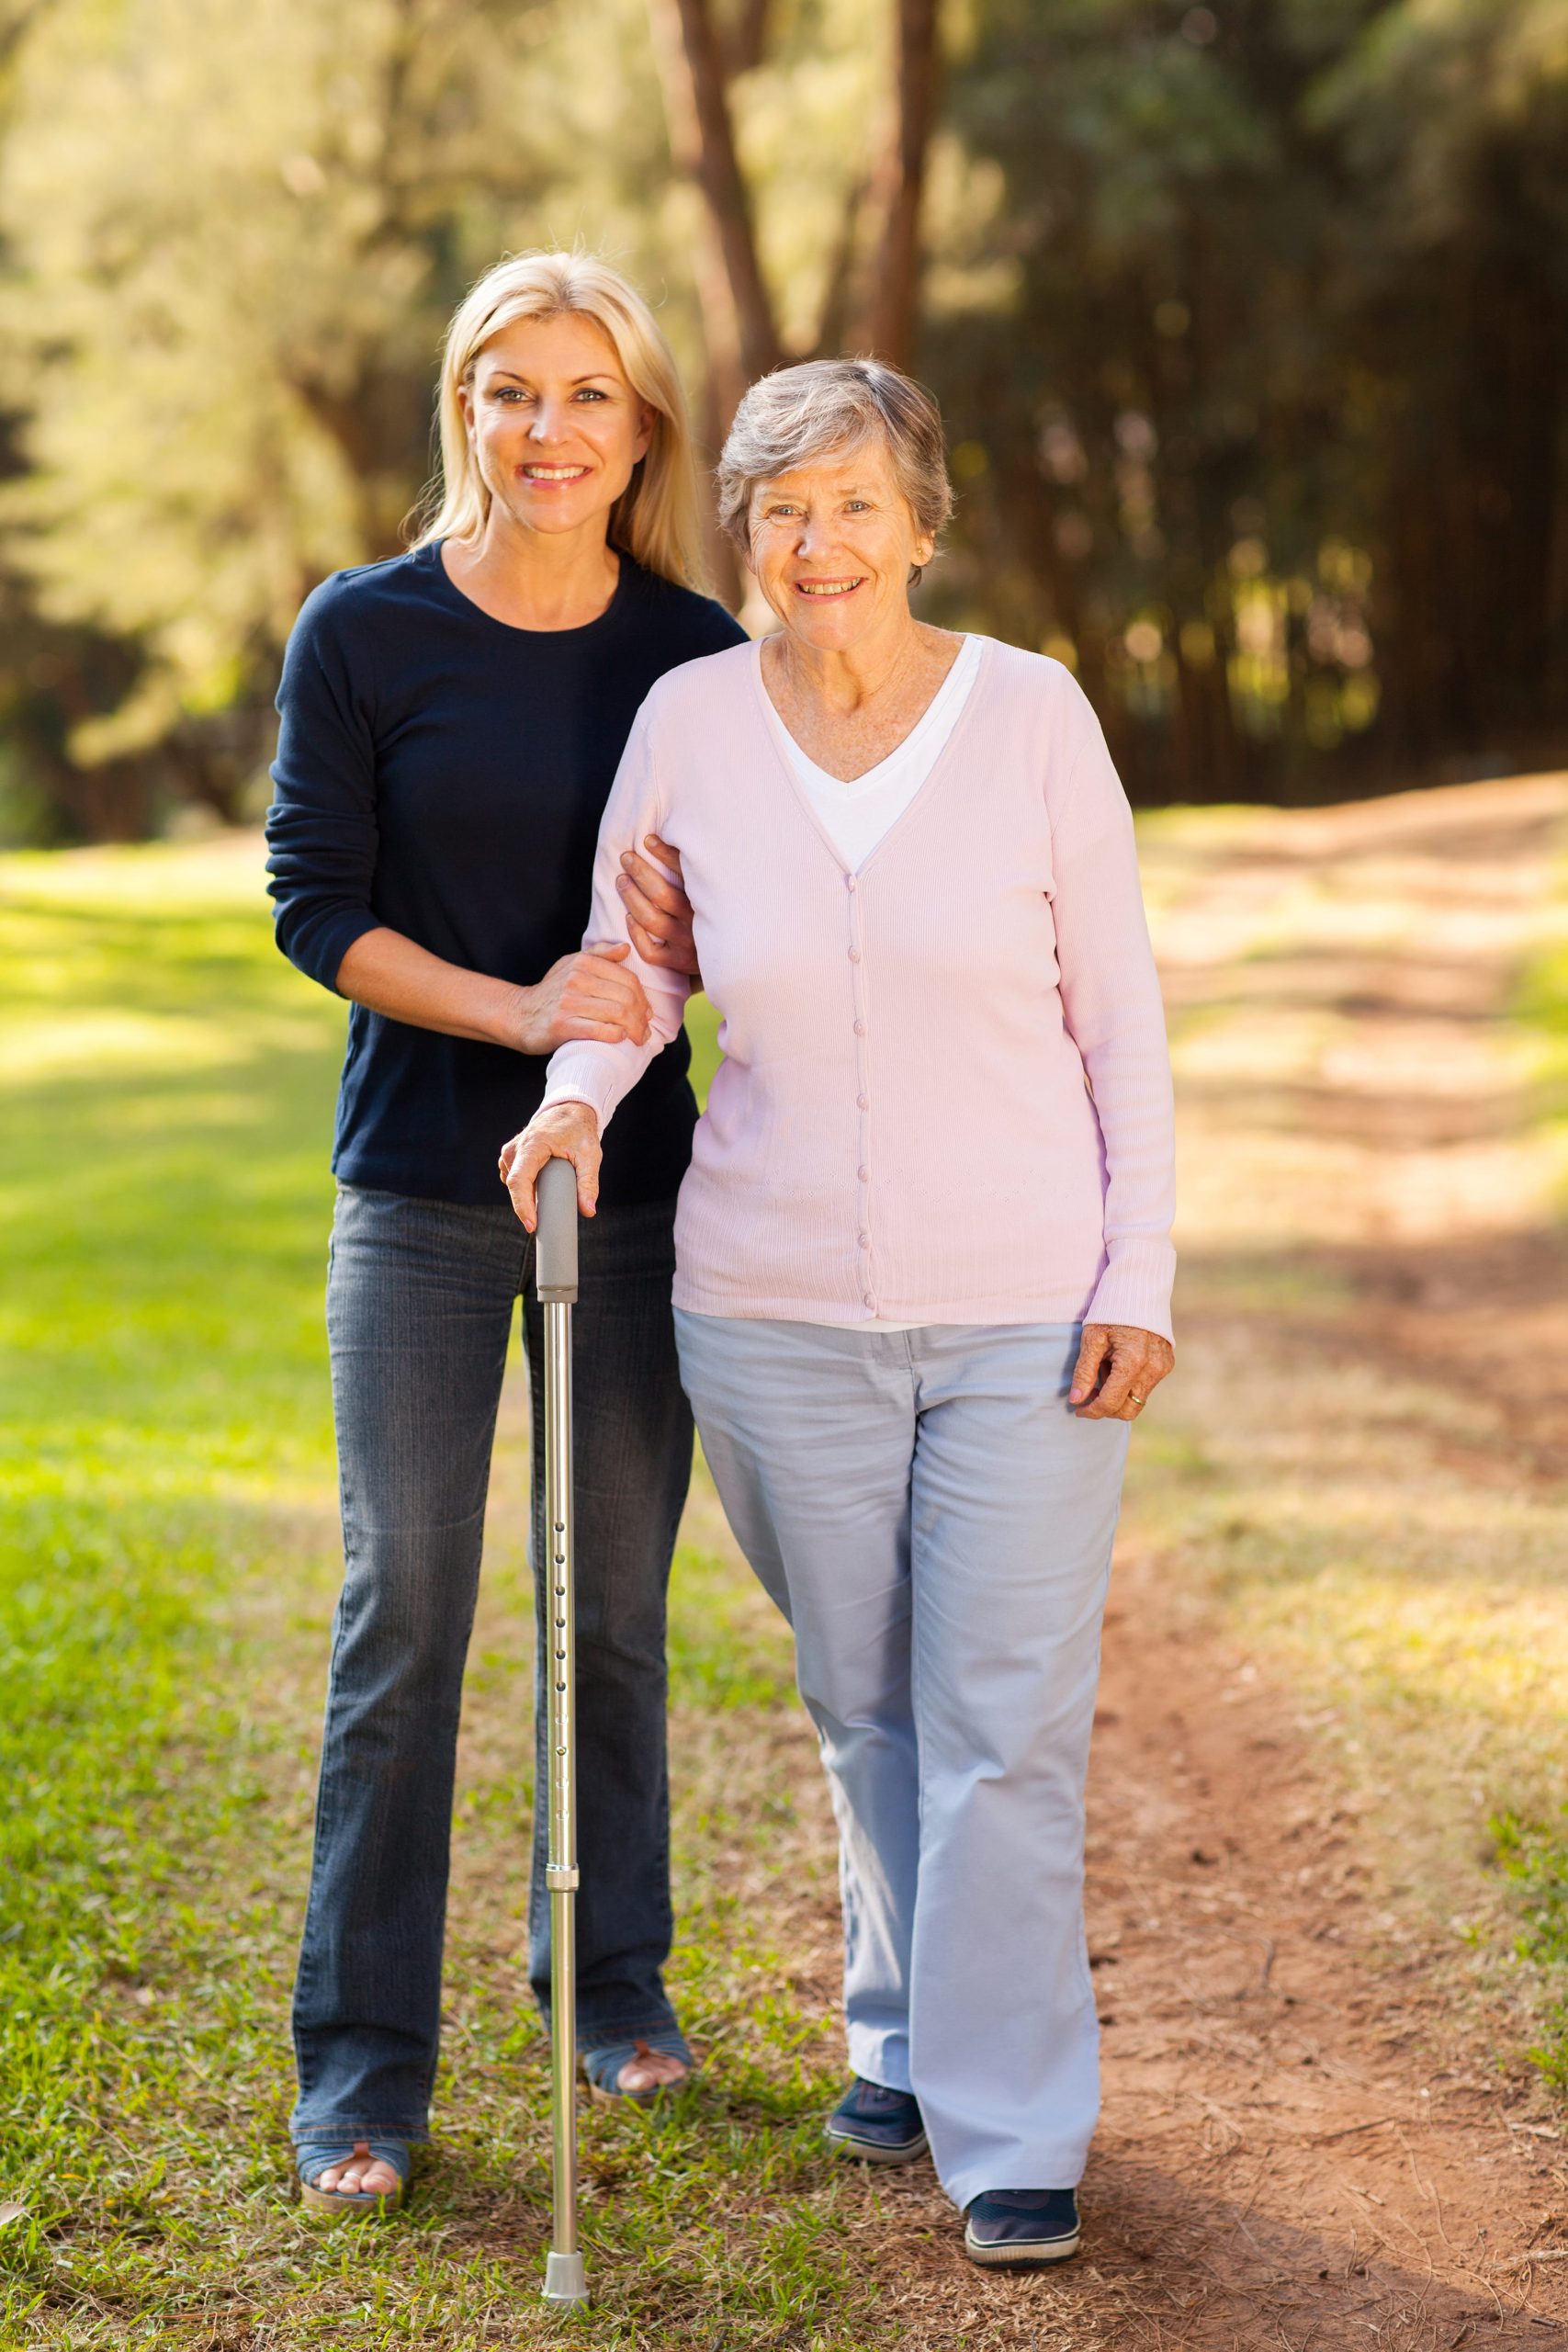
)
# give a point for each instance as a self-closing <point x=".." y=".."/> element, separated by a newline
<point x="1134" y="1398"/>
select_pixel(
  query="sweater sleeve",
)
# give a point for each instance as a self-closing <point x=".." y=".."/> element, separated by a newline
<point x="321" y="829"/>
<point x="586" y="1070"/>
<point x="1111" y="998"/>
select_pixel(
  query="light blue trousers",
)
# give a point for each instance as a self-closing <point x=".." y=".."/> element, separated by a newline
<point x="936" y="1525"/>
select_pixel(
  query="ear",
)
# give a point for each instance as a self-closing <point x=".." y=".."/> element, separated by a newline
<point x="645" y="428"/>
<point x="924" y="548"/>
<point x="466" y="402"/>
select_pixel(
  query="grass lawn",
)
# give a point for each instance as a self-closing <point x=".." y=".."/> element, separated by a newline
<point x="167" y="1572"/>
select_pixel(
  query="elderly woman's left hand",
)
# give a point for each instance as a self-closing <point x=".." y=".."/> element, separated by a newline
<point x="1118" y="1366"/>
<point x="659" y="913"/>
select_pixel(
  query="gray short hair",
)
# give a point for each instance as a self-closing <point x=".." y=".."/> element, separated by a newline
<point x="798" y="414"/>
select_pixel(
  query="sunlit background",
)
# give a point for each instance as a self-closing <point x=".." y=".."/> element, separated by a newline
<point x="1251" y="323"/>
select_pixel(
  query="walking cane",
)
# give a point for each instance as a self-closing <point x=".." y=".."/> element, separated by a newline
<point x="555" y="1274"/>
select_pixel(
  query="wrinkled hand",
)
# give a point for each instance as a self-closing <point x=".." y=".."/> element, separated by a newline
<point x="560" y="1131"/>
<point x="1118" y="1368"/>
<point x="659" y="913"/>
<point x="585" y="995"/>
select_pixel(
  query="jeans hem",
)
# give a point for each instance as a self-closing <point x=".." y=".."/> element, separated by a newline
<point x="595" y="2033"/>
<point x="333" y="2128"/>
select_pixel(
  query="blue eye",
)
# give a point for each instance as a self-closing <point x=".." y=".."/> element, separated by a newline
<point x="591" y="392"/>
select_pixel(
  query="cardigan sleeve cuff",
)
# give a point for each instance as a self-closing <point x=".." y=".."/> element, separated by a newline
<point x="1135" y="1286"/>
<point x="595" y="1074"/>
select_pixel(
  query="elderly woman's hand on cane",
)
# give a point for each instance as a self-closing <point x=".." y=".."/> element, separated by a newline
<point x="1117" y="1367"/>
<point x="558" y="1131"/>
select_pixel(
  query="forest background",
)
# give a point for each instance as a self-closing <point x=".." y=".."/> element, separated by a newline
<point x="1250" y="324"/>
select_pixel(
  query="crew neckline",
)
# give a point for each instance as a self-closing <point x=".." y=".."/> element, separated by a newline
<point x="459" y="597"/>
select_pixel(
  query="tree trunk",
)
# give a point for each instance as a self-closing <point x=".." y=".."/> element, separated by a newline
<point x="738" y="316"/>
<point x="887" y="325"/>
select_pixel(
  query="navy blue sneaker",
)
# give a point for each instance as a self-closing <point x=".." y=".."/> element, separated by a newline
<point x="881" y="2126"/>
<point x="1019" y="2229"/>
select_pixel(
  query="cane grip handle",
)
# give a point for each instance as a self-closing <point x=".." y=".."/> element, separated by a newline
<point x="555" y="1257"/>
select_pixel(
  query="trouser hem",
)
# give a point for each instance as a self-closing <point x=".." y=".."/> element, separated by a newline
<point x="876" y="2058"/>
<point x="594" y="2032"/>
<point x="1049" y="2171"/>
<point x="334" y="2127"/>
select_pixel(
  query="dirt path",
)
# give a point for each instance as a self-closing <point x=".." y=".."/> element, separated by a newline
<point x="1307" y="2143"/>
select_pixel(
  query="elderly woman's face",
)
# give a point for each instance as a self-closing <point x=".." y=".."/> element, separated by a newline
<point x="832" y="544"/>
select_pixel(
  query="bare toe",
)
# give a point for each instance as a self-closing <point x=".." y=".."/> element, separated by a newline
<point x="362" y="2175"/>
<point x="651" y="2070"/>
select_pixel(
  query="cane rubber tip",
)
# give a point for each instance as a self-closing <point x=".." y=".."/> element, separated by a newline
<point x="566" y="2280"/>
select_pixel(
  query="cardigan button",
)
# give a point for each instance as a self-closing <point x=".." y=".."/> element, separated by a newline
<point x="849" y="881"/>
<point x="869" y="1299"/>
<point x="859" y="1028"/>
<point x="865" y="1240"/>
<point x="864" y="1175"/>
<point x="863" y="1102"/>
<point x="854" y="954"/>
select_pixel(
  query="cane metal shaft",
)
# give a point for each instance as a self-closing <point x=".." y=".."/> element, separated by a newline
<point x="561" y="1849"/>
<point x="555" y="1268"/>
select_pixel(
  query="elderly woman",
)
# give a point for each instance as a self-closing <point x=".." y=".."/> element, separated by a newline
<point x="923" y="1268"/>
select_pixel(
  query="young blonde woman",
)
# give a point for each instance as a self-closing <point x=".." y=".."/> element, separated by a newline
<point x="452" y="721"/>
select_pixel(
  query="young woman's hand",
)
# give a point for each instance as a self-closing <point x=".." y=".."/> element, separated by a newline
<point x="659" y="913"/>
<point x="560" y="1131"/>
<point x="585" y="995"/>
<point x="1118" y="1367"/>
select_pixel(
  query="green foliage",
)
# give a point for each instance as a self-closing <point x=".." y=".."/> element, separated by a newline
<point x="1251" y="326"/>
<point x="1541" y="1010"/>
<point x="1535" y="1858"/>
<point x="236" y="234"/>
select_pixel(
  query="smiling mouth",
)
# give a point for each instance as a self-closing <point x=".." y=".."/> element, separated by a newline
<point x="829" y="587"/>
<point x="554" y="473"/>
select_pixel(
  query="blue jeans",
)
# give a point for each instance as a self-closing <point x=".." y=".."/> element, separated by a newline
<point x="420" y="1300"/>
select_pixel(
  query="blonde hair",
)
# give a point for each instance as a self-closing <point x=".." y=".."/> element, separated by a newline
<point x="655" y="519"/>
<point x="797" y="414"/>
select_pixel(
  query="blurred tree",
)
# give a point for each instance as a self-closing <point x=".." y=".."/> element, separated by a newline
<point x="870" y="286"/>
<point x="1250" y="322"/>
<point x="235" y="235"/>
<point x="1451" y="117"/>
<point x="1267" y="431"/>
<point x="48" y="675"/>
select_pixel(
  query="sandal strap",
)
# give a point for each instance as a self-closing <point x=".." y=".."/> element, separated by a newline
<point x="314" y="2157"/>
<point x="602" y="2064"/>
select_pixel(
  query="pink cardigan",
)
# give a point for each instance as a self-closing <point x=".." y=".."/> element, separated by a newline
<point x="945" y="1096"/>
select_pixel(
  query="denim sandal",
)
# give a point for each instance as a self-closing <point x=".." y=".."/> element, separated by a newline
<point x="603" y="2065"/>
<point x="314" y="2157"/>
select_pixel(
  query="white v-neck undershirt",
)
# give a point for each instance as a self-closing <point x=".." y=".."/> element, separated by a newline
<point x="856" y="814"/>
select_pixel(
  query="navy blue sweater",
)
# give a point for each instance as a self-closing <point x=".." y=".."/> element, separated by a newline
<point x="444" y="775"/>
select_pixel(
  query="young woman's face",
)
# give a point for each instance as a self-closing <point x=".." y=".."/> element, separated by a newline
<point x="553" y="423"/>
<point x="832" y="544"/>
